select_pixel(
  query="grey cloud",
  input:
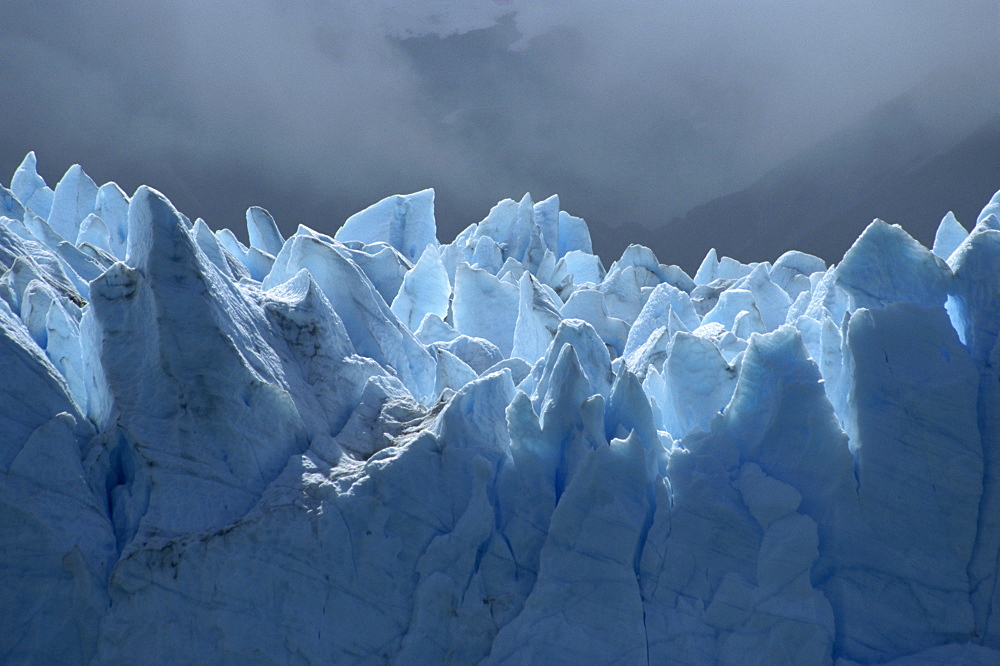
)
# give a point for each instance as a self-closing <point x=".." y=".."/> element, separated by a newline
<point x="632" y="112"/>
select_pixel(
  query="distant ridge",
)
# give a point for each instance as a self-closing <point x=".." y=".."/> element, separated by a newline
<point x="892" y="165"/>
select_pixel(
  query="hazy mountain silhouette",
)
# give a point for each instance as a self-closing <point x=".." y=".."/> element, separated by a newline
<point x="898" y="164"/>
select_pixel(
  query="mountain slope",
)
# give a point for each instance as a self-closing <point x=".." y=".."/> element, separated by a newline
<point x="893" y="165"/>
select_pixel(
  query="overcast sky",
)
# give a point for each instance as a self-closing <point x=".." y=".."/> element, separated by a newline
<point x="633" y="112"/>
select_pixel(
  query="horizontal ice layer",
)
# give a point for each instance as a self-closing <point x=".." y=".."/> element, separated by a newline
<point x="377" y="447"/>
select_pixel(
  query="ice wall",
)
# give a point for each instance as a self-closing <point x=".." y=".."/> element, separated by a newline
<point x="377" y="447"/>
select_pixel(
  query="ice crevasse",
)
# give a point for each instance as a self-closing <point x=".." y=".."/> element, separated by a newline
<point x="376" y="447"/>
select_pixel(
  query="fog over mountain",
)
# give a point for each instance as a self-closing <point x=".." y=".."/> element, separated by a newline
<point x="633" y="113"/>
<point x="898" y="163"/>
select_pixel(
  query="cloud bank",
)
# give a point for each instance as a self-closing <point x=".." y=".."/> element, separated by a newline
<point x="632" y="113"/>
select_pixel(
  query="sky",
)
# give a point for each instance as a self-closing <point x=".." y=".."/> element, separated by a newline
<point x="314" y="109"/>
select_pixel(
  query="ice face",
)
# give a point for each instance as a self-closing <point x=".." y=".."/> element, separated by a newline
<point x="950" y="234"/>
<point x="663" y="300"/>
<point x="263" y="231"/>
<point x="373" y="328"/>
<point x="73" y="200"/>
<point x="573" y="235"/>
<point x="405" y="222"/>
<point x="376" y="447"/>
<point x="538" y="318"/>
<point x="111" y="206"/>
<point x="425" y="290"/>
<point x="94" y="231"/>
<point x="30" y="189"/>
<point x="791" y="271"/>
<point x="475" y="287"/>
<point x="886" y="265"/>
<point x="992" y="208"/>
<point x="547" y="218"/>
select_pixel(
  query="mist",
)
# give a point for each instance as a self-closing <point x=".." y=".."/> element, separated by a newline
<point x="633" y="113"/>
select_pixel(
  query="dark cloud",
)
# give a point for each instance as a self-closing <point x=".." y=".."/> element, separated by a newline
<point x="632" y="112"/>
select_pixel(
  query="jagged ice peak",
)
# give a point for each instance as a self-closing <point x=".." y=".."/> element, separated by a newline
<point x="377" y="447"/>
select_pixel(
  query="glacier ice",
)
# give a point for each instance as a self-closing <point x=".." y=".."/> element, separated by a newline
<point x="72" y="201"/>
<point x="30" y="188"/>
<point x="405" y="222"/>
<point x="424" y="290"/>
<point x="377" y="447"/>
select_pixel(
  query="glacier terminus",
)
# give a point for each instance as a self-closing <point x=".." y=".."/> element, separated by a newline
<point x="375" y="447"/>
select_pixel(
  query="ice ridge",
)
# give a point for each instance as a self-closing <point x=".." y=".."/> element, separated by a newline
<point x="377" y="447"/>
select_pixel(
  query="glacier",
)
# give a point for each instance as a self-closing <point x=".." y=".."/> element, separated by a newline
<point x="377" y="447"/>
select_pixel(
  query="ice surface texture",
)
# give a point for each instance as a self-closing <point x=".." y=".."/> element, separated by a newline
<point x="375" y="447"/>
